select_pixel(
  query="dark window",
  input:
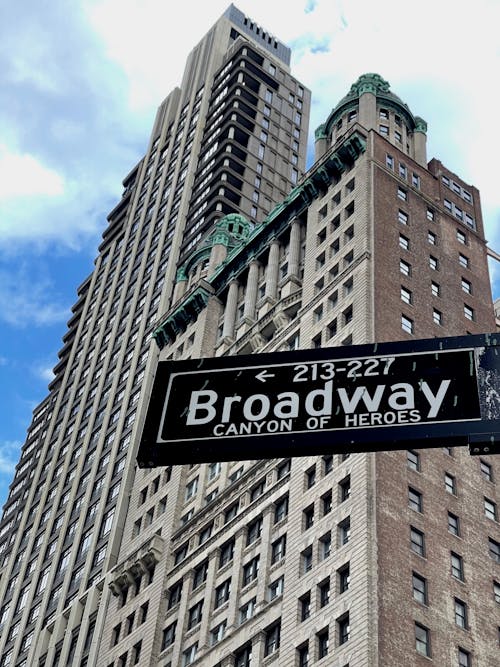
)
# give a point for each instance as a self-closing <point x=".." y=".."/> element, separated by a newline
<point x="200" y="574"/>
<point x="305" y="606"/>
<point x="272" y="639"/>
<point x="415" y="500"/>
<point x="417" y="541"/>
<point x="344" y="578"/>
<point x="323" y="643"/>
<point x="453" y="524"/>
<point x="413" y="459"/>
<point x="422" y="640"/>
<point x="461" y="614"/>
<point x="457" y="566"/>
<point x="226" y="553"/>
<point x="343" y="629"/>
<point x="324" y="592"/>
<point x="419" y="588"/>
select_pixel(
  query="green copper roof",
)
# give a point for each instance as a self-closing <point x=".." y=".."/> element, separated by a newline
<point x="375" y="84"/>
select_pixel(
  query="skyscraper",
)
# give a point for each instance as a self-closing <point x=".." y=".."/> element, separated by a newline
<point x="231" y="138"/>
<point x="221" y="246"/>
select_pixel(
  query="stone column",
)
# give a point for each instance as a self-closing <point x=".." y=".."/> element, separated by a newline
<point x="420" y="141"/>
<point x="272" y="271"/>
<point x="251" y="290"/>
<point x="294" y="250"/>
<point x="230" y="311"/>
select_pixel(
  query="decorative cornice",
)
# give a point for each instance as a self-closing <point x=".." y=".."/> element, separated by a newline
<point x="140" y="562"/>
<point x="293" y="206"/>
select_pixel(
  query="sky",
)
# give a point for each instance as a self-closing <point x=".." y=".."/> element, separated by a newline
<point x="80" y="82"/>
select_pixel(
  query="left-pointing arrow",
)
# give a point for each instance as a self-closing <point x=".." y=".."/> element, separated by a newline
<point x="263" y="375"/>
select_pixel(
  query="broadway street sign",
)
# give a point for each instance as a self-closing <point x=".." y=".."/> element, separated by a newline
<point x="424" y="393"/>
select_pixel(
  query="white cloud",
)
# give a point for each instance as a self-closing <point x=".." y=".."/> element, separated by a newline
<point x="28" y="300"/>
<point x="43" y="372"/>
<point x="9" y="455"/>
<point x="24" y="175"/>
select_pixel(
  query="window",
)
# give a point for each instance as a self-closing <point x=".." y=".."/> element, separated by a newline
<point x="419" y="588"/>
<point x="384" y="130"/>
<point x="450" y="484"/>
<point x="325" y="545"/>
<point x="347" y="315"/>
<point x="404" y="267"/>
<point x="413" y="459"/>
<point x="278" y="549"/>
<point x="257" y="490"/>
<point x="168" y="636"/>
<point x="404" y="242"/>
<point x="433" y="263"/>
<point x="276" y="588"/>
<point x="250" y="571"/>
<point x="431" y="238"/>
<point x="463" y="260"/>
<point x="345" y="489"/>
<point x="200" y="574"/>
<point x="461" y="237"/>
<point x="311" y="477"/>
<point x="305" y="606"/>
<point x="231" y="512"/>
<point x="460" y="613"/>
<point x="194" y="614"/>
<point x="344" y="578"/>
<point x="407" y="324"/>
<point x="430" y="214"/>
<point x="466" y="286"/>
<point x="247" y="610"/>
<point x="403" y="171"/>
<point x="283" y="469"/>
<point x="326" y="503"/>
<point x="486" y="470"/>
<point x="415" y="180"/>
<point x="435" y="289"/>
<point x="324" y="592"/>
<point x="403" y="217"/>
<point x="496" y="591"/>
<point x="494" y="548"/>
<point x="303" y="655"/>
<point x="464" y="659"/>
<point x="457" y="566"/>
<point x="389" y="162"/>
<point x="327" y="464"/>
<point x="222" y="593"/>
<point x="344" y="531"/>
<point x="254" y="530"/>
<point x="437" y="316"/>
<point x="490" y="509"/>
<point x="280" y="509"/>
<point x="322" y="643"/>
<point x="308" y="517"/>
<point x="306" y="559"/>
<point x="217" y="634"/>
<point x="468" y="312"/>
<point x="343" y="629"/>
<point x="402" y="194"/>
<point x="422" y="640"/>
<point x="417" y="543"/>
<point x="453" y="524"/>
<point x="415" y="501"/>
<point x="189" y="655"/>
<point x="272" y="639"/>
<point x="191" y="488"/>
<point x="406" y="295"/>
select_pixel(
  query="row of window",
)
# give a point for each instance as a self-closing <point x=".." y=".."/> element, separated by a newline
<point x="423" y="646"/>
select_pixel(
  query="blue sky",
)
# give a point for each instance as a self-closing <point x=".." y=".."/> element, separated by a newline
<point x="80" y="83"/>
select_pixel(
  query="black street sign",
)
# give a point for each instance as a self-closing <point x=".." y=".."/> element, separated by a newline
<point x="424" y="393"/>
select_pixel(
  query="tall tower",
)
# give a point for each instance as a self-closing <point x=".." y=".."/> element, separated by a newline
<point x="357" y="559"/>
<point x="231" y="139"/>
